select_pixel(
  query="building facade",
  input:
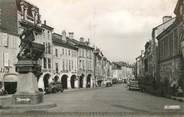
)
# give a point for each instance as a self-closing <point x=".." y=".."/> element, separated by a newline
<point x="65" y="58"/>
<point x="47" y="59"/>
<point x="170" y="51"/>
<point x="9" y="40"/>
<point x="85" y="62"/>
<point x="98" y="67"/>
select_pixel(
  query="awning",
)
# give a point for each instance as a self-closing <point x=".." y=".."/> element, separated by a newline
<point x="10" y="77"/>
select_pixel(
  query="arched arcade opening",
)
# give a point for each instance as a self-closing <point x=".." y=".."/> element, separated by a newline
<point x="88" y="82"/>
<point x="73" y="78"/>
<point x="64" y="80"/>
<point x="81" y="78"/>
<point x="46" y="81"/>
<point x="56" y="78"/>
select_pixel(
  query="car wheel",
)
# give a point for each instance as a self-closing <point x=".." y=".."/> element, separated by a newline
<point x="61" y="90"/>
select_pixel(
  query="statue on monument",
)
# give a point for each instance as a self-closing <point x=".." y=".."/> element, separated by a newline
<point x="29" y="54"/>
<point x="27" y="38"/>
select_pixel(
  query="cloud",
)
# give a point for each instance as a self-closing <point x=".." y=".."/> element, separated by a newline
<point x="119" y="27"/>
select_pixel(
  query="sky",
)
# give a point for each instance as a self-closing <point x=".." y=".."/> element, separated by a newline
<point x="120" y="28"/>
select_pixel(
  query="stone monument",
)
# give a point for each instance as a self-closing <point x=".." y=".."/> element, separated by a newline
<point x="28" y="69"/>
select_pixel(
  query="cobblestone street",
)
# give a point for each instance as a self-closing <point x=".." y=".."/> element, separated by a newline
<point x="115" y="99"/>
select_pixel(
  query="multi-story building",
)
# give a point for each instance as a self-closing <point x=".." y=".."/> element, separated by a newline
<point x="98" y="69"/>
<point x="140" y="67"/>
<point x="117" y="72"/>
<point x="109" y="70"/>
<point x="65" y="60"/>
<point x="85" y="62"/>
<point x="170" y="53"/>
<point x="167" y="21"/>
<point x="47" y="59"/>
<point x="9" y="40"/>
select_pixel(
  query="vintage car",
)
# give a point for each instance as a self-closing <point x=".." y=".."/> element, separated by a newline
<point x="114" y="81"/>
<point x="54" y="87"/>
<point x="108" y="83"/>
<point x="133" y="84"/>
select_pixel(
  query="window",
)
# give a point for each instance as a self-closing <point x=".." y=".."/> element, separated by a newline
<point x="72" y="66"/>
<point x="48" y="34"/>
<point x="82" y="53"/>
<point x="44" y="46"/>
<point x="68" y="52"/>
<point x="69" y="65"/>
<point x="44" y="63"/>
<point x="5" y="39"/>
<point x="57" y="70"/>
<point x="63" y="51"/>
<point x="80" y="64"/>
<point x="63" y="65"/>
<point x="56" y="52"/>
<point x="49" y="63"/>
<point x="49" y="48"/>
<point x="66" y="65"/>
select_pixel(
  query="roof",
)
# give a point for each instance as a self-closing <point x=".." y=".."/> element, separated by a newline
<point x="47" y="27"/>
<point x="174" y="18"/>
<point x="80" y="44"/>
<point x="57" y="40"/>
<point x="167" y="30"/>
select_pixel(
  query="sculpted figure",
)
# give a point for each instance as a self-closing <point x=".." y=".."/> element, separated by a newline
<point x="27" y="38"/>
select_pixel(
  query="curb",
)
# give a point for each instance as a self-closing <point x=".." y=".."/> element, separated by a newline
<point x="30" y="107"/>
<point x="180" y="99"/>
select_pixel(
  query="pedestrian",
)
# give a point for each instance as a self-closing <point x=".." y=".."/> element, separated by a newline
<point x="179" y="92"/>
<point x="174" y="87"/>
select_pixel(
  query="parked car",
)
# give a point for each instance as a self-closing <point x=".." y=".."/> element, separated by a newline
<point x="133" y="84"/>
<point x="54" y="87"/>
<point x="108" y="83"/>
<point x="114" y="81"/>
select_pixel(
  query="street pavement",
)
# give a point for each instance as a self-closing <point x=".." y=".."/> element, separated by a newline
<point x="114" y="99"/>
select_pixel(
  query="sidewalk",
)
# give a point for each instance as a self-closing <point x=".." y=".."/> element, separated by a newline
<point x="181" y="99"/>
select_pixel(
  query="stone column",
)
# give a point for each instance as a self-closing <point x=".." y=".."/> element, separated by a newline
<point x="69" y="82"/>
<point x="84" y="82"/>
<point x="77" y="83"/>
<point x="91" y="85"/>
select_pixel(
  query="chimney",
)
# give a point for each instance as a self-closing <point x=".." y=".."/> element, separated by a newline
<point x="166" y="18"/>
<point x="71" y="34"/>
<point x="88" y="41"/>
<point x="81" y="39"/>
<point x="45" y="22"/>
<point x="142" y="52"/>
<point x="64" y="35"/>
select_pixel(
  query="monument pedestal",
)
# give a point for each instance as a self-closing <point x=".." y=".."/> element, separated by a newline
<point x="27" y="90"/>
<point x="27" y="86"/>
